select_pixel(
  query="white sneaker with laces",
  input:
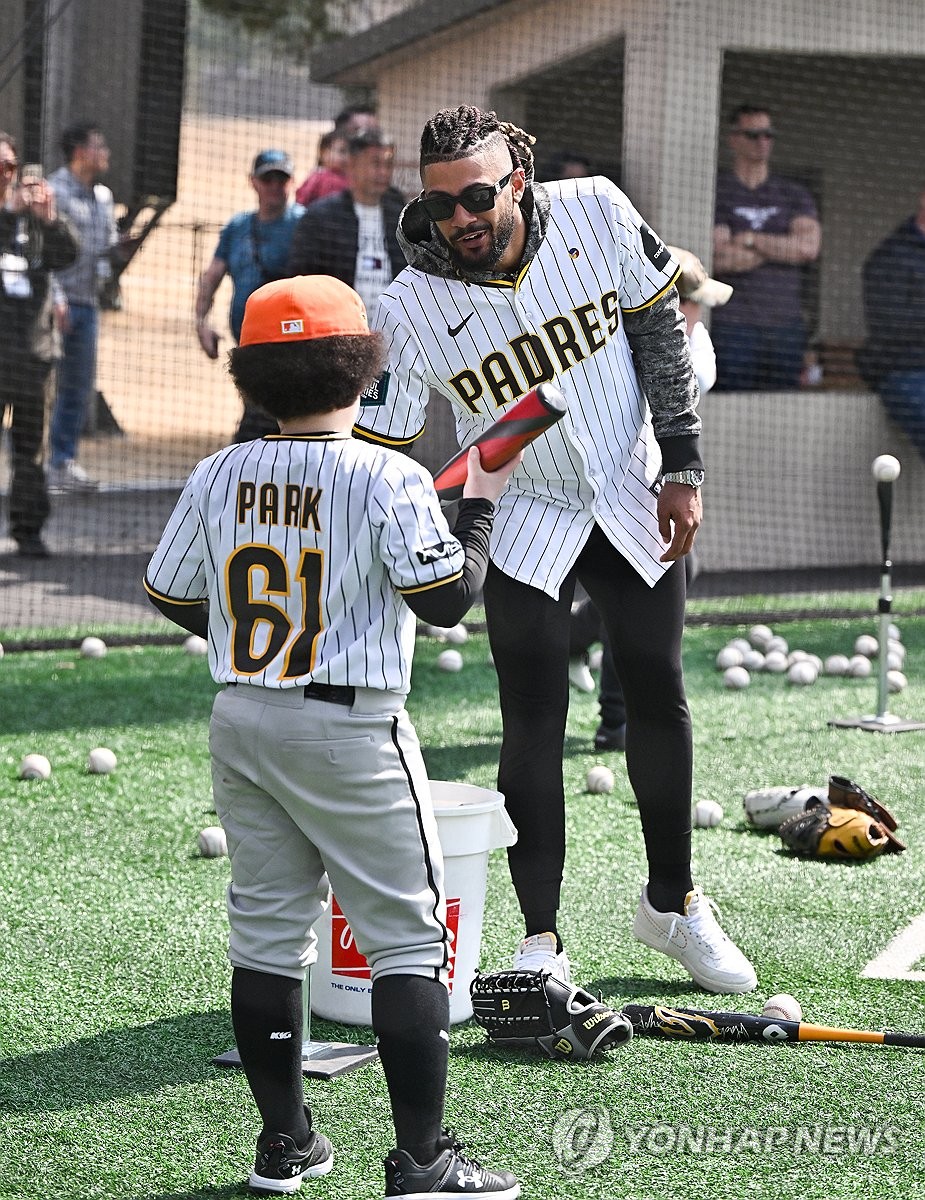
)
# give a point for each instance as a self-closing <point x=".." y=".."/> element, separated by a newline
<point x="579" y="675"/>
<point x="538" y="953"/>
<point x="697" y="942"/>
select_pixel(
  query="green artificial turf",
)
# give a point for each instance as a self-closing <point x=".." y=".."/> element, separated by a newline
<point x="114" y="980"/>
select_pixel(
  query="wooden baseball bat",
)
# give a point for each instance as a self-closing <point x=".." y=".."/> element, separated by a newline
<point x="527" y="419"/>
<point x="694" y="1024"/>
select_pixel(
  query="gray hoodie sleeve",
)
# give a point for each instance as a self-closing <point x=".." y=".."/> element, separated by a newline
<point x="658" y="339"/>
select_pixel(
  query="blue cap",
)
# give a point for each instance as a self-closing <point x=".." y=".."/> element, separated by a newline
<point x="272" y="160"/>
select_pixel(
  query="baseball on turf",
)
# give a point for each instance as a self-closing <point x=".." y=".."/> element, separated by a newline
<point x="783" y="1007"/>
<point x="729" y="656"/>
<point x="101" y="761"/>
<point x="35" y="766"/>
<point x="760" y="635"/>
<point x="775" y="661"/>
<point x="93" y="647"/>
<point x="859" y="666"/>
<point x="836" y="664"/>
<point x="753" y="660"/>
<point x="736" y="678"/>
<point x="212" y="843"/>
<point x="896" y="681"/>
<point x="196" y="645"/>
<point x="450" y="660"/>
<point x="802" y="673"/>
<point x="707" y="814"/>
<point x="867" y="645"/>
<point x="885" y="468"/>
<point x="456" y="635"/>
<point x="599" y="779"/>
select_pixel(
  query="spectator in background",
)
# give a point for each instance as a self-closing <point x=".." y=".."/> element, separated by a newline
<point x="329" y="177"/>
<point x="352" y="235"/>
<point x="892" y="360"/>
<point x="253" y="249"/>
<point x="569" y="165"/>
<point x="766" y="228"/>
<point x="88" y="206"/>
<point x="34" y="241"/>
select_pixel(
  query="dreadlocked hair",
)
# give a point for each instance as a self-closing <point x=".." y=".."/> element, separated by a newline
<point x="455" y="133"/>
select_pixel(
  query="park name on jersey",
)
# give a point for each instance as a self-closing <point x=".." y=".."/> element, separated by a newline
<point x="292" y="504"/>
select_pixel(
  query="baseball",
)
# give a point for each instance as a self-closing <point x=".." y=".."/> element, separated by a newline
<point x="777" y="643"/>
<point x="836" y="664"/>
<point x="196" y="645"/>
<point x="450" y="660"/>
<point x="599" y="779"/>
<point x="859" y="666"/>
<point x="707" y="814"/>
<point x="802" y="673"/>
<point x="212" y="842"/>
<point x="736" y="678"/>
<point x="1" y="651"/>
<point x="867" y="645"/>
<point x="729" y="656"/>
<point x="759" y="636"/>
<point x="896" y="681"/>
<point x="93" y="647"/>
<point x="595" y="658"/>
<point x="783" y="1007"/>
<point x="753" y="660"/>
<point x="457" y="635"/>
<point x="886" y="468"/>
<point x="35" y="766"/>
<point x="741" y="643"/>
<point x="101" y="761"/>
<point x="893" y="633"/>
<point x="775" y="661"/>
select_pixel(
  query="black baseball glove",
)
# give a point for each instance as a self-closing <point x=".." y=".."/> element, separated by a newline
<point x="534" y="1008"/>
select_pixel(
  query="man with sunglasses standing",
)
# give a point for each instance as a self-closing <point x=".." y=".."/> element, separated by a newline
<point x="512" y="283"/>
<point x="253" y="249"/>
<point x="766" y="229"/>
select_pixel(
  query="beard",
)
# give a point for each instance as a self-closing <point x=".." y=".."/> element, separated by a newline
<point x="485" y="260"/>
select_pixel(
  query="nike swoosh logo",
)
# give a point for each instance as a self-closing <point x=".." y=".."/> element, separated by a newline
<point x="452" y="330"/>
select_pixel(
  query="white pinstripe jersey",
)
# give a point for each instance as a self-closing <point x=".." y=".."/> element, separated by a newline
<point x="302" y="545"/>
<point x="485" y="345"/>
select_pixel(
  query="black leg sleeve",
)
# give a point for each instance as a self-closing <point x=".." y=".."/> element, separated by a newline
<point x="529" y="636"/>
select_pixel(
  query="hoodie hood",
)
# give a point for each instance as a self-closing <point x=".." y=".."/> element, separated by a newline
<point x="426" y="250"/>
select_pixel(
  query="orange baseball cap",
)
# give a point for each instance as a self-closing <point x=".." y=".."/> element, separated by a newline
<point x="302" y="308"/>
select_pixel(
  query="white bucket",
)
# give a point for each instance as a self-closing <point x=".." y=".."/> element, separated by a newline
<point x="470" y="821"/>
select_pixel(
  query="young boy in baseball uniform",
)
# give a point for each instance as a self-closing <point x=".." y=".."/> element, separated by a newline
<point x="304" y="557"/>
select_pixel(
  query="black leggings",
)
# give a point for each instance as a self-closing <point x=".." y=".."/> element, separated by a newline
<point x="529" y="636"/>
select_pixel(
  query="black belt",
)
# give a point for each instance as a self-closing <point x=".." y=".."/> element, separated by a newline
<point x="332" y="693"/>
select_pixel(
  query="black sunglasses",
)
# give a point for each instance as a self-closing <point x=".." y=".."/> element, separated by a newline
<point x="479" y="197"/>
<point x="754" y="134"/>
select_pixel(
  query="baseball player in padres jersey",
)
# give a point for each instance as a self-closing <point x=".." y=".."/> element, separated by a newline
<point x="511" y="283"/>
<point x="305" y="556"/>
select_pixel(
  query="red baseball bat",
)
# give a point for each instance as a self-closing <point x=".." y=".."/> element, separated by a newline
<point x="694" y="1024"/>
<point x="527" y="419"/>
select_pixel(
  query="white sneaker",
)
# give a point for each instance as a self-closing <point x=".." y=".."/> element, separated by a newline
<point x="579" y="675"/>
<point x="697" y="942"/>
<point x="768" y="808"/>
<point x="70" y="477"/>
<point x="538" y="953"/>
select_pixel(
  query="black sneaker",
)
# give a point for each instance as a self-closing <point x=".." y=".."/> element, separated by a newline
<point x="610" y="737"/>
<point x="280" y="1166"/>
<point x="451" y="1173"/>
